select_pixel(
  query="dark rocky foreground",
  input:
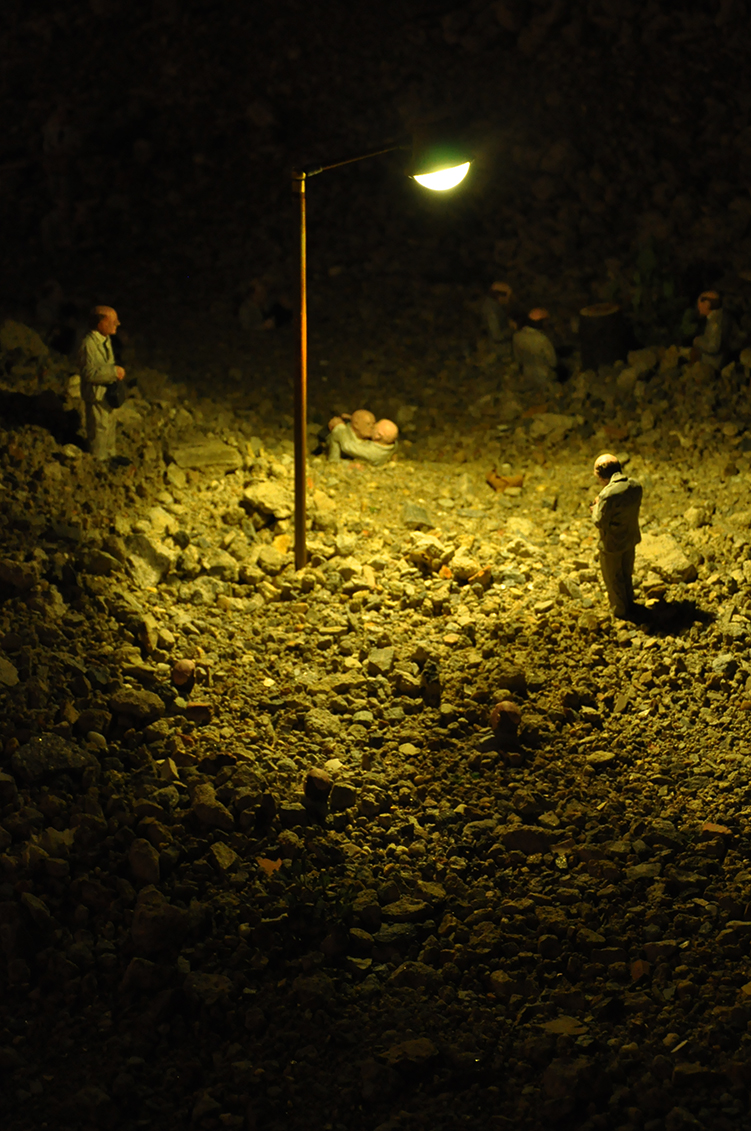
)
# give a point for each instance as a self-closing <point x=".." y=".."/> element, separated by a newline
<point x="265" y="864"/>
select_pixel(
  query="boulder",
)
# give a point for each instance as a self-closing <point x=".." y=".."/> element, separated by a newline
<point x="205" y="453"/>
<point x="148" y="560"/>
<point x="663" y="555"/>
<point x="47" y="755"/>
<point x="157" y="925"/>
<point x="139" y="707"/>
<point x="269" y="498"/>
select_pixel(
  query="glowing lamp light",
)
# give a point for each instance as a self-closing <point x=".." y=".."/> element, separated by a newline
<point x="443" y="179"/>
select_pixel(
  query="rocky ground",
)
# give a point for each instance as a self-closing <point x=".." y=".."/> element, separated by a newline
<point x="270" y="859"/>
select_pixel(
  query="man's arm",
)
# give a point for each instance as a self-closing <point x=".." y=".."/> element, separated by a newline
<point x="93" y="368"/>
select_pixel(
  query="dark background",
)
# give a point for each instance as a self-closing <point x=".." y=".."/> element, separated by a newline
<point x="147" y="150"/>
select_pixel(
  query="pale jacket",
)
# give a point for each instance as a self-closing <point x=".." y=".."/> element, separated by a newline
<point x="616" y="514"/>
<point x="535" y="353"/>
<point x="97" y="364"/>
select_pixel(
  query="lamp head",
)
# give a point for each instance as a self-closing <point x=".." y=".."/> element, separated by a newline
<point x="439" y="166"/>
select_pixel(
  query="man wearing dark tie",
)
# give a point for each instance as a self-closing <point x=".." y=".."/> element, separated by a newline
<point x="98" y="370"/>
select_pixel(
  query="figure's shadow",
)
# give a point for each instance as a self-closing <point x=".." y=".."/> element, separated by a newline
<point x="45" y="410"/>
<point x="667" y="618"/>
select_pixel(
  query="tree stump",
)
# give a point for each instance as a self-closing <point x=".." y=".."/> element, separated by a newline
<point x="602" y="335"/>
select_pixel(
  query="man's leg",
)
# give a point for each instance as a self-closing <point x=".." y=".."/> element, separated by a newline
<point x="627" y="567"/>
<point x="613" y="575"/>
<point x="100" y="431"/>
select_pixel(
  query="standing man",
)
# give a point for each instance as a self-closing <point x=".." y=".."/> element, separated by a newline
<point x="534" y="352"/>
<point x="711" y="345"/>
<point x="97" y="364"/>
<point x="615" y="513"/>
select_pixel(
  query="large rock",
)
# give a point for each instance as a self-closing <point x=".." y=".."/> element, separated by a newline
<point x="320" y="723"/>
<point x="464" y="565"/>
<point x="269" y="499"/>
<point x="206" y="453"/>
<point x="8" y="673"/>
<point x="220" y="564"/>
<point x="19" y="575"/>
<point x="144" y="862"/>
<point x="149" y="560"/>
<point x="157" y="925"/>
<point x="553" y="425"/>
<point x="47" y="755"/>
<point x="209" y="810"/>
<point x="140" y="707"/>
<point x="416" y="517"/>
<point x="662" y="554"/>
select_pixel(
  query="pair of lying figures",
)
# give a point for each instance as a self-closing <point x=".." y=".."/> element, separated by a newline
<point x="360" y="436"/>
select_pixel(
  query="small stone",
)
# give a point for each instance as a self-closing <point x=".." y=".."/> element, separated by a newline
<point x="157" y="925"/>
<point x="505" y="719"/>
<point x="406" y="910"/>
<point x="342" y="797"/>
<point x="526" y="839"/>
<point x="8" y="673"/>
<point x="642" y="872"/>
<point x="416" y="517"/>
<point x="640" y="969"/>
<point x="380" y="661"/>
<point x="660" y="951"/>
<point x="320" y="723"/>
<point x="318" y="785"/>
<point x="207" y="453"/>
<point x="47" y="755"/>
<point x="144" y="862"/>
<point x="207" y="989"/>
<point x="417" y="1053"/>
<point x="222" y="857"/>
<point x="688" y="1075"/>
<point x="210" y="811"/>
<point x="141" y="707"/>
<point x="709" y="831"/>
<point x="184" y="675"/>
<point x="600" y="759"/>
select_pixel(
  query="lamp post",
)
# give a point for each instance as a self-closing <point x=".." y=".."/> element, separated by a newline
<point x="436" y="170"/>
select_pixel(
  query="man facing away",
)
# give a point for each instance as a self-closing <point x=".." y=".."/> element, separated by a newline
<point x="615" y="513"/>
<point x="98" y="369"/>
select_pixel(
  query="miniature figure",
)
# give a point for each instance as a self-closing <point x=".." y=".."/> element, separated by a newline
<point x="346" y="438"/>
<point x="534" y="351"/>
<point x="98" y="370"/>
<point x="615" y="513"/>
<point x="711" y="345"/>
<point x="496" y="310"/>
<point x="362" y="422"/>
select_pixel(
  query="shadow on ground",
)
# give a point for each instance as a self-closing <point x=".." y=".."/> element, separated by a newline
<point x="667" y="618"/>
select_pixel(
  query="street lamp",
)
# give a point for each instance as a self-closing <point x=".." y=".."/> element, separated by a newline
<point x="437" y="169"/>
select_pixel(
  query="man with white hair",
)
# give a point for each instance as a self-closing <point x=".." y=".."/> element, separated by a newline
<point x="98" y="370"/>
<point x="615" y="513"/>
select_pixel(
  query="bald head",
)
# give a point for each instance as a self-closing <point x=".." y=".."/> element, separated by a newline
<point x="537" y="317"/>
<point x="606" y="466"/>
<point x="362" y="421"/>
<point x="104" y="319"/>
<point x="384" y="432"/>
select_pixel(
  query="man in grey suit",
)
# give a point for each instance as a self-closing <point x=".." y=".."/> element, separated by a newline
<point x="98" y="370"/>
<point x="615" y="513"/>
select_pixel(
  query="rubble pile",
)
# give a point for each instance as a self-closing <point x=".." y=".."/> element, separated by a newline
<point x="414" y="836"/>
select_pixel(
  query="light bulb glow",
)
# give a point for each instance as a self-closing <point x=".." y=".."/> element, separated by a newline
<point x="443" y="179"/>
